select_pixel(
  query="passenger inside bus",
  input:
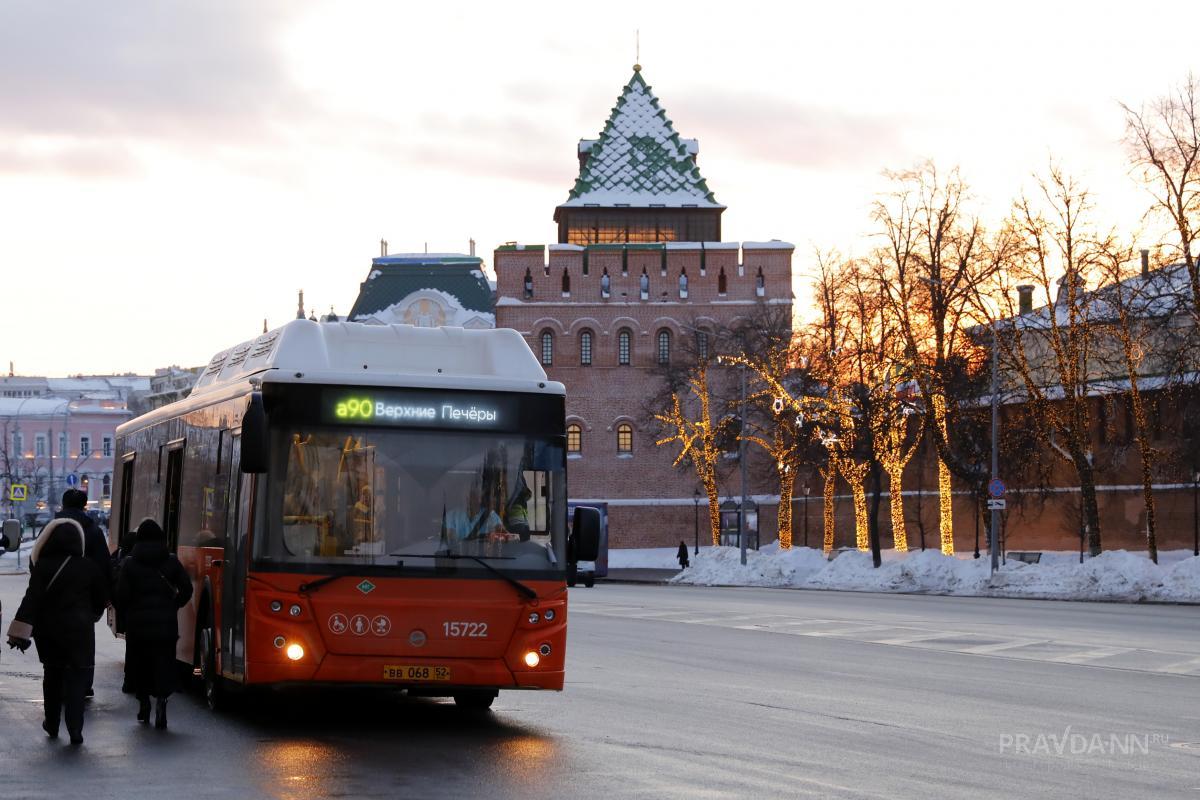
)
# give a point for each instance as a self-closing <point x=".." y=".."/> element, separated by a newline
<point x="375" y="495"/>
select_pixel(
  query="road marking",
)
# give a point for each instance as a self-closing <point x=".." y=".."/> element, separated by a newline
<point x="1060" y="652"/>
<point x="1189" y="667"/>
<point x="1091" y="655"/>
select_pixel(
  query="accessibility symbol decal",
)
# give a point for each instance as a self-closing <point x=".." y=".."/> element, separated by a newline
<point x="359" y="625"/>
<point x="338" y="623"/>
<point x="381" y="625"/>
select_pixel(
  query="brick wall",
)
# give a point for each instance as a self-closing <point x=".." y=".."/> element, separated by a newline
<point x="604" y="394"/>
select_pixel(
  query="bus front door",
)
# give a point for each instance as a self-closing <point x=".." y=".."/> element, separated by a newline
<point x="233" y="590"/>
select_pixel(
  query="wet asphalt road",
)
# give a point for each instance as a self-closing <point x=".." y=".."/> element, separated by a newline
<point x="681" y="692"/>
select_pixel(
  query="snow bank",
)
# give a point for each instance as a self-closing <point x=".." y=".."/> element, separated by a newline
<point x="1115" y="575"/>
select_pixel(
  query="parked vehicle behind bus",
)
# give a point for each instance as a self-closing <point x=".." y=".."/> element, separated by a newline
<point x="365" y="505"/>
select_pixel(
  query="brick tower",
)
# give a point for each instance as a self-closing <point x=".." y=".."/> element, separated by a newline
<point x="638" y="269"/>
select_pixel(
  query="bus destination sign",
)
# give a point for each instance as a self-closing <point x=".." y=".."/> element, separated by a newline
<point x="419" y="409"/>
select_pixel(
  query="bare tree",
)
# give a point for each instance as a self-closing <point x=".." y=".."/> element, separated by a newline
<point x="931" y="264"/>
<point x="1163" y="141"/>
<point x="1049" y="351"/>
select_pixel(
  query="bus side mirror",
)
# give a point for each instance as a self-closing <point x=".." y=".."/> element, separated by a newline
<point x="11" y="538"/>
<point x="585" y="534"/>
<point x="254" y="435"/>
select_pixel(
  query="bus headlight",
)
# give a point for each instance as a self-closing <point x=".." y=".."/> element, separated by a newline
<point x="532" y="659"/>
<point x="295" y="652"/>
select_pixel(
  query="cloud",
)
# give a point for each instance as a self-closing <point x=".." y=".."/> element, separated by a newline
<point x="195" y="72"/>
<point x="774" y="129"/>
<point x="77" y="159"/>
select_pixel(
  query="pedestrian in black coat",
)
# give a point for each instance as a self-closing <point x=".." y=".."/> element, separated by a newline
<point x="151" y="589"/>
<point x="95" y="543"/>
<point x="67" y="593"/>
<point x="74" y="505"/>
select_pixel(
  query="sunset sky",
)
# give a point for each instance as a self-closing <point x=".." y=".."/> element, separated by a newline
<point x="171" y="173"/>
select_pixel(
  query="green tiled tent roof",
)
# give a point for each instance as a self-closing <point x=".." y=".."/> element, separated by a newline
<point x="639" y="160"/>
<point x="394" y="278"/>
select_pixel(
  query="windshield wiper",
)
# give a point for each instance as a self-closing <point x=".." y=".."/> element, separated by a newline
<point x="305" y="588"/>
<point x="516" y="584"/>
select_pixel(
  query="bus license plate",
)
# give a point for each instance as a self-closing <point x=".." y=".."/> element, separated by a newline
<point x="405" y="672"/>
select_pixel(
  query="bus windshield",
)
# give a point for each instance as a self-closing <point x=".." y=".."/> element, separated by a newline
<point x="370" y="496"/>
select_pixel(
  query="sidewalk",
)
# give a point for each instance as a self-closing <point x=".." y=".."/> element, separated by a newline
<point x="640" y="575"/>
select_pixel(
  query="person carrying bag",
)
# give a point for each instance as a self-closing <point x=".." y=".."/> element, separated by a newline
<point x="67" y="593"/>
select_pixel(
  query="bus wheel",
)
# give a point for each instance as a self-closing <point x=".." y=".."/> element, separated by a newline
<point x="209" y="679"/>
<point x="589" y="579"/>
<point x="474" y="701"/>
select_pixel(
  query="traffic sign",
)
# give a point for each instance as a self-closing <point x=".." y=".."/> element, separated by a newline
<point x="18" y="492"/>
<point x="72" y="480"/>
<point x="996" y="504"/>
<point x="996" y="488"/>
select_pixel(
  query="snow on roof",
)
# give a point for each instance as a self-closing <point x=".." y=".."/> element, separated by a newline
<point x="354" y="352"/>
<point x="1163" y="292"/>
<point x="31" y="406"/>
<point x="570" y="247"/>
<point x="639" y="160"/>
<point x="774" y="244"/>
<point x="427" y="258"/>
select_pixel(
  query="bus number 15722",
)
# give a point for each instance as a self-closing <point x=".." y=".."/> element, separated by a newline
<point x="472" y="630"/>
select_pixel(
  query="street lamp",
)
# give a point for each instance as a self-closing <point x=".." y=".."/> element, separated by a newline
<point x="806" y="491"/>
<point x="742" y="463"/>
<point x="1196" y="513"/>
<point x="696" y="521"/>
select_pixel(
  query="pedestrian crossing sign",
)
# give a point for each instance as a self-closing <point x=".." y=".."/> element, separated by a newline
<point x="18" y="492"/>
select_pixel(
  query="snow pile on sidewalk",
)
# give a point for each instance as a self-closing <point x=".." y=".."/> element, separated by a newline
<point x="1114" y="575"/>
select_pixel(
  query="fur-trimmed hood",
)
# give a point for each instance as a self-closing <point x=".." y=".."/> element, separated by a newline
<point x="60" y="535"/>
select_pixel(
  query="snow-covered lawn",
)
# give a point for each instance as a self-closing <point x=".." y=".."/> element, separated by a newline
<point x="1114" y="575"/>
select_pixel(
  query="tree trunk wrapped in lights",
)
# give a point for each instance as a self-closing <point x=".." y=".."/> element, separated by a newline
<point x="785" y="452"/>
<point x="829" y="473"/>
<point x="945" y="487"/>
<point x="698" y="440"/>
<point x="889" y="425"/>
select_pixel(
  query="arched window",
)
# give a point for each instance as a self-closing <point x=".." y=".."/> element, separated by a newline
<point x="664" y="347"/>
<point x="760" y="284"/>
<point x="547" y="348"/>
<point x="106" y="486"/>
<point x="528" y="285"/>
<point x="574" y="438"/>
<point x="624" y="346"/>
<point x="585" y="348"/>
<point x="605" y="284"/>
<point x="683" y="283"/>
<point x="721" y="281"/>
<point x="702" y="345"/>
<point x="566" y="282"/>
<point x="644" y="285"/>
<point x="624" y="438"/>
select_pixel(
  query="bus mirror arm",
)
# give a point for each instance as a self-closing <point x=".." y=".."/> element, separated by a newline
<point x="255" y="444"/>
<point x="584" y="544"/>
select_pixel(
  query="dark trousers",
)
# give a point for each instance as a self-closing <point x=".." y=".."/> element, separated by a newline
<point x="150" y="665"/>
<point x="65" y="686"/>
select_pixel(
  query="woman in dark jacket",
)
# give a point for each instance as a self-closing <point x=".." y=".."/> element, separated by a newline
<point x="67" y="593"/>
<point x="151" y="589"/>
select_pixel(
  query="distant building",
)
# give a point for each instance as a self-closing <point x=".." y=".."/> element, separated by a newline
<point x="169" y="384"/>
<point x="426" y="290"/>
<point x="639" y="278"/>
<point x="51" y="444"/>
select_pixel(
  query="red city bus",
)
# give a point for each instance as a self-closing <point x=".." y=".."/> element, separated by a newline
<point x="365" y="505"/>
